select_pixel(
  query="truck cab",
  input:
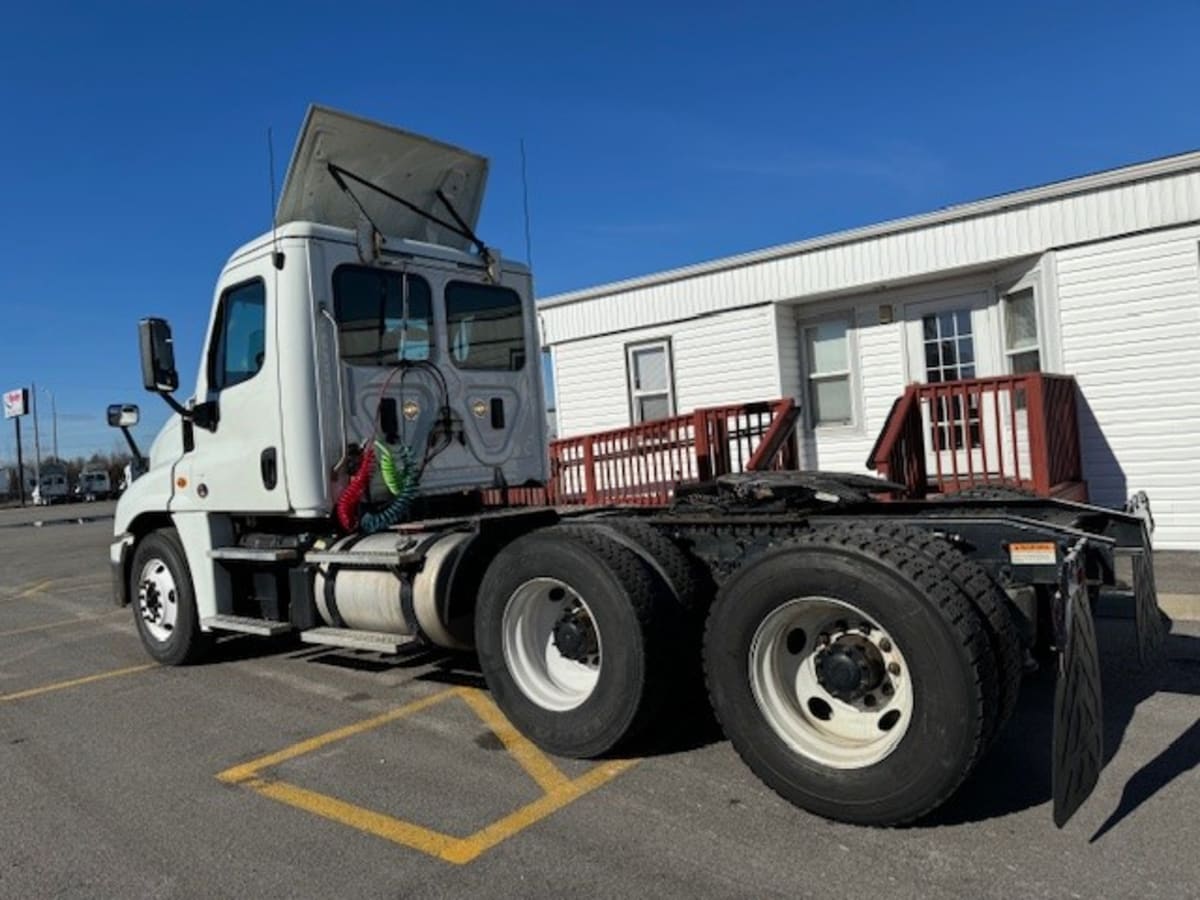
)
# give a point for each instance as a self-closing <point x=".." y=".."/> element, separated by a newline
<point x="355" y="324"/>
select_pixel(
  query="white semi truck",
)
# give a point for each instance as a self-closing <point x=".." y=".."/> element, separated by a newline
<point x="370" y="377"/>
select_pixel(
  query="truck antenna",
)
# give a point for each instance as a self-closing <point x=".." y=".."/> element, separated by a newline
<point x="525" y="199"/>
<point x="276" y="256"/>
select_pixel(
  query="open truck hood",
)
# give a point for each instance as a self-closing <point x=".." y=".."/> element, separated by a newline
<point x="408" y="165"/>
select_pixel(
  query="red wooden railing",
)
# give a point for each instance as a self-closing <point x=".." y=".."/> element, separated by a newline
<point x="1018" y="430"/>
<point x="640" y="465"/>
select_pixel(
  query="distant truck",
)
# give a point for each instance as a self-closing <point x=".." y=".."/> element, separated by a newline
<point x="369" y="392"/>
<point x="53" y="486"/>
<point x="93" y="484"/>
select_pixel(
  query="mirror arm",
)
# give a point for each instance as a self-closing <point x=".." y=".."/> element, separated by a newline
<point x="175" y="404"/>
<point x="133" y="448"/>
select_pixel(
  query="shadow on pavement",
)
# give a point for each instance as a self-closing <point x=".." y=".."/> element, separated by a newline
<point x="1016" y="773"/>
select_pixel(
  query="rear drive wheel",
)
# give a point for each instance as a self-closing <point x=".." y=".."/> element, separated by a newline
<point x="164" y="600"/>
<point x="848" y="674"/>
<point x="567" y="628"/>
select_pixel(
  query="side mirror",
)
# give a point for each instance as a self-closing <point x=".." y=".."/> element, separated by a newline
<point x="123" y="415"/>
<point x="158" y="356"/>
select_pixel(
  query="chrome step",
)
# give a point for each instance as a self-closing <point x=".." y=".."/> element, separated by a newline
<point x="252" y="554"/>
<point x="246" y="625"/>
<point x="373" y="559"/>
<point x="353" y="639"/>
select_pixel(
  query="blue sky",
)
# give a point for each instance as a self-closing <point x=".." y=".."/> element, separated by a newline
<point x="657" y="134"/>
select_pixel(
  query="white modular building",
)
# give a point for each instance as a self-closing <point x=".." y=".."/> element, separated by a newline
<point x="1096" y="277"/>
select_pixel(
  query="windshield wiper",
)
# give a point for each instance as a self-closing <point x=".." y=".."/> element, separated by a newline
<point x="458" y="226"/>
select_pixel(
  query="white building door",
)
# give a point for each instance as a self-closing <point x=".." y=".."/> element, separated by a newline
<point x="968" y="432"/>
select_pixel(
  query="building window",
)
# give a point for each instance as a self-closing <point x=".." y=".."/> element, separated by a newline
<point x="1021" y="333"/>
<point x="827" y="355"/>
<point x="651" y="388"/>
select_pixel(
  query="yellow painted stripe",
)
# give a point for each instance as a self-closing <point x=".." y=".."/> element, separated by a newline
<point x="63" y="623"/>
<point x="424" y="839"/>
<point x="465" y="850"/>
<point x="74" y="682"/>
<point x="249" y="770"/>
<point x="529" y="757"/>
<point x="21" y="593"/>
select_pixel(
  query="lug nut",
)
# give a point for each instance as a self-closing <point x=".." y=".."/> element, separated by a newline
<point x="893" y="668"/>
<point x="888" y="690"/>
<point x="823" y="640"/>
<point x="885" y="645"/>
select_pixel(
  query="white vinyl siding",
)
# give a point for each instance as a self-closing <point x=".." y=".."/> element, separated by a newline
<point x="929" y="246"/>
<point x="1130" y="320"/>
<point x="728" y="358"/>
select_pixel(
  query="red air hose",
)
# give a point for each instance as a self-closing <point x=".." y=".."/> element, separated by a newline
<point x="347" y="504"/>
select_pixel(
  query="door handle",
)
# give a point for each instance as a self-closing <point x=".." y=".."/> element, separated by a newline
<point x="269" y="468"/>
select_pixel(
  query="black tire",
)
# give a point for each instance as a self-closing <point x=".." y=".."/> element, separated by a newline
<point x="992" y="604"/>
<point x="629" y="604"/>
<point x="939" y="634"/>
<point x="186" y="644"/>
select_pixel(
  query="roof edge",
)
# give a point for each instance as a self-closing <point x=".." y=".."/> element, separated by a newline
<point x="1106" y="178"/>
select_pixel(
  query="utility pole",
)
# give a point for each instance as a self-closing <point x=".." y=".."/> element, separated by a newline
<point x="54" y="418"/>
<point x="37" y="442"/>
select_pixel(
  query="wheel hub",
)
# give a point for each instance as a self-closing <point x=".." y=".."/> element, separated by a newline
<point x="575" y="637"/>
<point x="850" y="668"/>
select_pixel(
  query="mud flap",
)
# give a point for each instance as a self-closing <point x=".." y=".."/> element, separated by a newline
<point x="1078" y="711"/>
<point x="1151" y="630"/>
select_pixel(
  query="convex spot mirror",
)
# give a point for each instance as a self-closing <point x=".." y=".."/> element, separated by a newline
<point x="123" y="415"/>
<point x="158" y="356"/>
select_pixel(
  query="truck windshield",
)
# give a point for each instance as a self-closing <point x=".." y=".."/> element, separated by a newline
<point x="369" y="305"/>
<point x="486" y="328"/>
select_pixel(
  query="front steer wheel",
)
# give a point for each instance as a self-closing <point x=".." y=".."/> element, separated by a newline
<point x="569" y="628"/>
<point x="848" y="673"/>
<point x="164" y="600"/>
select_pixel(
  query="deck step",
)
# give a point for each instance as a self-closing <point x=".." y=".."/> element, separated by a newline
<point x="371" y="559"/>
<point x="246" y="625"/>
<point x="252" y="554"/>
<point x="353" y="639"/>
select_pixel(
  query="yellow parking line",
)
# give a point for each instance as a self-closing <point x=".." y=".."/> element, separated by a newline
<point x="467" y="849"/>
<point x="62" y="623"/>
<point x="247" y="771"/>
<point x="558" y="790"/>
<point x="519" y="747"/>
<point x="28" y="591"/>
<point x="74" y="682"/>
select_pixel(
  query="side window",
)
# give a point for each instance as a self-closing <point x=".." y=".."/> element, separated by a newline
<point x="651" y="391"/>
<point x="486" y="327"/>
<point x="382" y="316"/>
<point x="1021" y="332"/>
<point x="240" y="343"/>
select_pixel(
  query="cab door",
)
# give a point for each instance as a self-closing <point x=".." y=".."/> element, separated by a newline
<point x="237" y="464"/>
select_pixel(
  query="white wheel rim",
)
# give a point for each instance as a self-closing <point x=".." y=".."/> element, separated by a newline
<point x="543" y="672"/>
<point x="834" y="731"/>
<point x="158" y="600"/>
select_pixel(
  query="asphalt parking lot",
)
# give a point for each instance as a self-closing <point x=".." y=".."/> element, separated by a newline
<point x="284" y="770"/>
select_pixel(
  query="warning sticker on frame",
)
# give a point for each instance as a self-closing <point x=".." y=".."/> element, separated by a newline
<point x="1033" y="554"/>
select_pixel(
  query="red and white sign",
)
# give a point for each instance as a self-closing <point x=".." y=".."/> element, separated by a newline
<point x="16" y="403"/>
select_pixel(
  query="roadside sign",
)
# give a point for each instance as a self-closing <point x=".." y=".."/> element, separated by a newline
<point x="16" y="403"/>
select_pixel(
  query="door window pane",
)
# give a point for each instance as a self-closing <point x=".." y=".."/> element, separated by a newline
<point x="241" y="346"/>
<point x="827" y="348"/>
<point x="949" y="346"/>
